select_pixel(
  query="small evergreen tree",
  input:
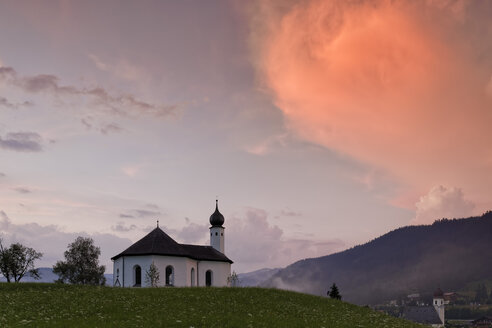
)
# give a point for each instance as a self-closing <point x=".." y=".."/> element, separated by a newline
<point x="233" y="280"/>
<point x="152" y="275"/>
<point x="334" y="293"/>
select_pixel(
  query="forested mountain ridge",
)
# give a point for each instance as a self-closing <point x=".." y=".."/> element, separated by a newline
<point x="448" y="253"/>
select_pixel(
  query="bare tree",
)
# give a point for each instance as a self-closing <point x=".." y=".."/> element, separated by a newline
<point x="233" y="279"/>
<point x="17" y="260"/>
<point x="152" y="275"/>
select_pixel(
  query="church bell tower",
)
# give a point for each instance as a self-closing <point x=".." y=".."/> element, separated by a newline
<point x="438" y="302"/>
<point x="217" y="230"/>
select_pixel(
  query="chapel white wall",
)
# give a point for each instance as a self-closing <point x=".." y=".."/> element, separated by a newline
<point x="182" y="270"/>
<point x="126" y="265"/>
<point x="220" y="270"/>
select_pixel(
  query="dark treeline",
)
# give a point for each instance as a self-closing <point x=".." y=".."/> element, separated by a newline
<point x="448" y="253"/>
<point x="467" y="313"/>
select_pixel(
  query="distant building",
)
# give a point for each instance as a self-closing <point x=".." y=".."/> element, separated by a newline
<point x="483" y="322"/>
<point x="450" y="298"/>
<point x="179" y="265"/>
<point x="427" y="315"/>
<point x="414" y="300"/>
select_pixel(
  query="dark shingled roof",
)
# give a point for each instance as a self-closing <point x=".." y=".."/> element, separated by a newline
<point x="205" y="253"/>
<point x="438" y="293"/>
<point x="483" y="320"/>
<point x="422" y="314"/>
<point x="157" y="242"/>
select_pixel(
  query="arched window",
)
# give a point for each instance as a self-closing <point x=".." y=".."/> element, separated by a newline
<point x="169" y="276"/>
<point x="137" y="276"/>
<point x="192" y="277"/>
<point x="208" y="278"/>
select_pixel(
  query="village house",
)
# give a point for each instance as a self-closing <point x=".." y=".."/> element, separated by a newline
<point x="483" y="322"/>
<point x="179" y="265"/>
<point x="428" y="315"/>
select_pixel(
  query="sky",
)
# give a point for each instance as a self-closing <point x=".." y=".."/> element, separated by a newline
<point x="319" y="125"/>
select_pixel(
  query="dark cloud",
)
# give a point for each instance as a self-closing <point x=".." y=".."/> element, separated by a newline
<point x="106" y="128"/>
<point x="152" y="206"/>
<point x="146" y="213"/>
<point x="140" y="213"/>
<point x="22" y="141"/>
<point x="111" y="128"/>
<point x="7" y="73"/>
<point x="2" y="175"/>
<point x="44" y="82"/>
<point x="290" y="213"/>
<point x="86" y="122"/>
<point x="124" y="104"/>
<point x="118" y="103"/>
<point x="120" y="227"/>
<point x="6" y="103"/>
<point x="22" y="190"/>
<point x="4" y="217"/>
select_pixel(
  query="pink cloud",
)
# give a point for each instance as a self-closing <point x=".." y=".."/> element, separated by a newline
<point x="395" y="84"/>
<point x="442" y="202"/>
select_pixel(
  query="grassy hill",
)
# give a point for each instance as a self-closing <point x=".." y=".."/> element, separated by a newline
<point x="53" y="305"/>
<point x="448" y="253"/>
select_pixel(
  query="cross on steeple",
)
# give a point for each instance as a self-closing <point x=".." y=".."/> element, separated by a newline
<point x="157" y="223"/>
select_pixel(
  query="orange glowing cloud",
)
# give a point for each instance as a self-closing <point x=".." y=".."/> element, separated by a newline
<point x="400" y="85"/>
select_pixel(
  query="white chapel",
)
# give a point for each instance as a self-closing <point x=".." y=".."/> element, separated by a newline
<point x="179" y="265"/>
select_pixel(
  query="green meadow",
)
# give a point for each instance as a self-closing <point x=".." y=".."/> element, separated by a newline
<point x="56" y="305"/>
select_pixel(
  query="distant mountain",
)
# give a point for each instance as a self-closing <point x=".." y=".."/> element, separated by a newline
<point x="109" y="279"/>
<point x="255" y="278"/>
<point x="448" y="254"/>
<point x="47" y="275"/>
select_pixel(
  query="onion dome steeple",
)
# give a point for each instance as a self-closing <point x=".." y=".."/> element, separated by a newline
<point x="216" y="219"/>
